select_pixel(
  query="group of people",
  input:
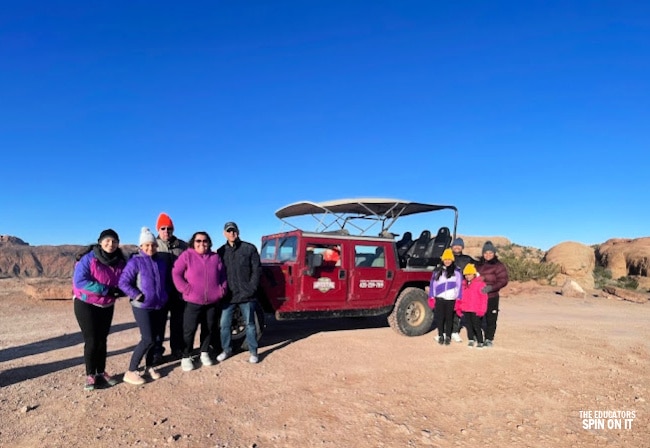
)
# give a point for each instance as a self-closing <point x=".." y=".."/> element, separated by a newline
<point x="464" y="290"/>
<point x="189" y="282"/>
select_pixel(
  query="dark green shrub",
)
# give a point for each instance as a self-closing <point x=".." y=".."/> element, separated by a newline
<point x="522" y="269"/>
<point x="602" y="277"/>
<point x="627" y="283"/>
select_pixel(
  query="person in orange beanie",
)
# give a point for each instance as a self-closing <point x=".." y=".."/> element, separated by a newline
<point x="170" y="248"/>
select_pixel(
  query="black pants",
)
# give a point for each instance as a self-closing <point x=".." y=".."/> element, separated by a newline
<point x="473" y="325"/>
<point x="193" y="316"/>
<point x="175" y="308"/>
<point x="457" y="325"/>
<point x="95" y="323"/>
<point x="490" y="317"/>
<point x="445" y="313"/>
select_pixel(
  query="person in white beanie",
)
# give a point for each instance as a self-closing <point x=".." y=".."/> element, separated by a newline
<point x="146" y="282"/>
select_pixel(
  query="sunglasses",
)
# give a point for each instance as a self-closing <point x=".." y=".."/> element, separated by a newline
<point x="167" y="228"/>
<point x="232" y="231"/>
<point x="200" y="241"/>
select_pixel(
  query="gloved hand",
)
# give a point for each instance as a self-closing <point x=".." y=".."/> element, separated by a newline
<point x="487" y="289"/>
<point x="432" y="303"/>
<point x="115" y="292"/>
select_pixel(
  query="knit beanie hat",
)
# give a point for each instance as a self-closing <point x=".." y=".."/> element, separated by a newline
<point x="164" y="221"/>
<point x="108" y="233"/>
<point x="458" y="242"/>
<point x="146" y="236"/>
<point x="489" y="247"/>
<point x="448" y="255"/>
<point x="469" y="269"/>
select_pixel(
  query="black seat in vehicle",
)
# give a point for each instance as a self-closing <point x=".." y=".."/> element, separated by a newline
<point x="403" y="246"/>
<point x="415" y="256"/>
<point x="438" y="245"/>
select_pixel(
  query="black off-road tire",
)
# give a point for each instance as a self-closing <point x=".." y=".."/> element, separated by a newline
<point x="239" y="328"/>
<point x="411" y="315"/>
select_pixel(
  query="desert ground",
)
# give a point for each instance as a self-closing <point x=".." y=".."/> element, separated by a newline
<point x="341" y="383"/>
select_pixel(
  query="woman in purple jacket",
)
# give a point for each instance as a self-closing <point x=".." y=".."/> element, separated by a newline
<point x="94" y="285"/>
<point x="145" y="281"/>
<point x="200" y="276"/>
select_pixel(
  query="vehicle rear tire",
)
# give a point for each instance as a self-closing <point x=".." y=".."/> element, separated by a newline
<point x="239" y="328"/>
<point x="411" y="315"/>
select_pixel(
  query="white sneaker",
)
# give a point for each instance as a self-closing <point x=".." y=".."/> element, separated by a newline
<point x="253" y="359"/>
<point x="456" y="337"/>
<point x="222" y="356"/>
<point x="187" y="364"/>
<point x="205" y="359"/>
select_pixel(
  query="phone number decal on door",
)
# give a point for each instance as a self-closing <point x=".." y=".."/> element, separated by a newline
<point x="371" y="284"/>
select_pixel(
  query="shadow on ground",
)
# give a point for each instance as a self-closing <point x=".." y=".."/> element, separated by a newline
<point x="22" y="373"/>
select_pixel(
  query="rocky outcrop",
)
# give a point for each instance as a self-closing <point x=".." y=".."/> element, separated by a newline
<point x="24" y="261"/>
<point x="576" y="262"/>
<point x="626" y="294"/>
<point x="8" y="239"/>
<point x="37" y="261"/>
<point x="625" y="257"/>
<point x="571" y="288"/>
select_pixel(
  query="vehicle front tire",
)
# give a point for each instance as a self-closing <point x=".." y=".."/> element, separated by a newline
<point x="411" y="315"/>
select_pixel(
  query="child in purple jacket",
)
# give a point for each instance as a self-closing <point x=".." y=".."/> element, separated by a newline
<point x="445" y="288"/>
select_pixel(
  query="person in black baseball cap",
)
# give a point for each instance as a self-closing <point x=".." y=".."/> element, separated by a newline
<point x="243" y="270"/>
<point x="231" y="226"/>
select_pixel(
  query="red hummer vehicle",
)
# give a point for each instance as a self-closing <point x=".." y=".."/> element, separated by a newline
<point x="339" y="270"/>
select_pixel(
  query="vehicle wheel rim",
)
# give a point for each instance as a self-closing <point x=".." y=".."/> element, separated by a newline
<point x="415" y="314"/>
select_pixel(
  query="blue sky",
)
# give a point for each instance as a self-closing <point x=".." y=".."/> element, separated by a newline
<point x="531" y="117"/>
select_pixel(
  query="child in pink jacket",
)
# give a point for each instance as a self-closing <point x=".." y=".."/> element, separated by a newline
<point x="473" y="305"/>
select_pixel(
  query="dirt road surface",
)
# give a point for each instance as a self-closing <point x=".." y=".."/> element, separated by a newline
<point x="341" y="383"/>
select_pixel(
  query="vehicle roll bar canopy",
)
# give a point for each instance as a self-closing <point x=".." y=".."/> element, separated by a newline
<point x="348" y="212"/>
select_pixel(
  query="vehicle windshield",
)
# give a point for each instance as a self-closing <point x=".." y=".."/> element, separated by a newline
<point x="279" y="249"/>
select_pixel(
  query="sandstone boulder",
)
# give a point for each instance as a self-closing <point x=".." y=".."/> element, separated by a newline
<point x="576" y="262"/>
<point x="572" y="289"/>
<point x="625" y="257"/>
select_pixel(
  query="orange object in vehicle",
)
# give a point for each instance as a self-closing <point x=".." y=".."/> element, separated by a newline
<point x="331" y="256"/>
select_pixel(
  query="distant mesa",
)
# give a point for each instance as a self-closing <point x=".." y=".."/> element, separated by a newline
<point x="8" y="239"/>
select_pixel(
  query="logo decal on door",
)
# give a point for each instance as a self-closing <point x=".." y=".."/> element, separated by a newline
<point x="324" y="284"/>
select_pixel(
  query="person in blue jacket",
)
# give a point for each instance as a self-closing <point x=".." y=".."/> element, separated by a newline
<point x="146" y="282"/>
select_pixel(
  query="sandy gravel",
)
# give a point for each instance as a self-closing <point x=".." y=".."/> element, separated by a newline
<point x="339" y="383"/>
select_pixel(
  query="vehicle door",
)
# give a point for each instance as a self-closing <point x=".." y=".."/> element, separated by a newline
<point x="323" y="287"/>
<point x="278" y="257"/>
<point x="372" y="275"/>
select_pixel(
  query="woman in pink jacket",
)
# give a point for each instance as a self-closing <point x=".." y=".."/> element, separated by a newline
<point x="200" y="276"/>
<point x="473" y="305"/>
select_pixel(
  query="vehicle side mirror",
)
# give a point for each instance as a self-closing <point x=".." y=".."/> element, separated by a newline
<point x="313" y="261"/>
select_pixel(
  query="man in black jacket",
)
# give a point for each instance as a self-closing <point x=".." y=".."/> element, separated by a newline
<point x="461" y="261"/>
<point x="243" y="269"/>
